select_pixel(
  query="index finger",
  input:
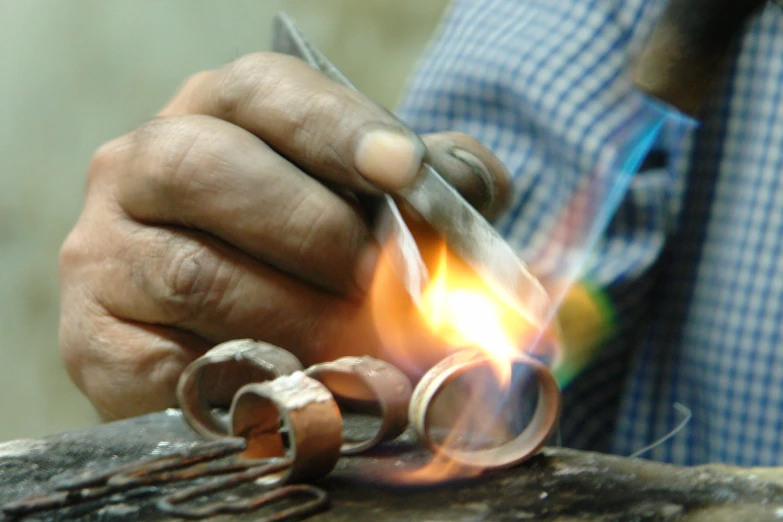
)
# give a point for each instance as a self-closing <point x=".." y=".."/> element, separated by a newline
<point x="327" y="129"/>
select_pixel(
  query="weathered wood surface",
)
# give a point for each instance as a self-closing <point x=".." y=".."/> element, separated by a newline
<point x="558" y="485"/>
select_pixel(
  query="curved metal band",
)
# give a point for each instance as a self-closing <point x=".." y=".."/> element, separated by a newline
<point x="390" y="388"/>
<point x="516" y="450"/>
<point x="293" y="416"/>
<point x="172" y="504"/>
<point x="212" y="379"/>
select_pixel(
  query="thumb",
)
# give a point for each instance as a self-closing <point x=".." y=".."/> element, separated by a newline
<point x="472" y="169"/>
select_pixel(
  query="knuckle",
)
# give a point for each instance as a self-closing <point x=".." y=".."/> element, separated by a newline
<point x="186" y="100"/>
<point x="193" y="82"/>
<point x="323" y="111"/>
<point x="196" y="281"/>
<point x="107" y="160"/>
<point x="241" y="80"/>
<point x="197" y="78"/>
<point x="171" y="139"/>
<point x="286" y="81"/>
<point x="89" y="242"/>
<point x="73" y="251"/>
<point x="325" y="105"/>
<point x="176" y="147"/>
<point x="248" y="65"/>
<point x="169" y="151"/>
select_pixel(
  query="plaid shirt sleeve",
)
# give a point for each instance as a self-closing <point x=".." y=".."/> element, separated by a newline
<point x="544" y="84"/>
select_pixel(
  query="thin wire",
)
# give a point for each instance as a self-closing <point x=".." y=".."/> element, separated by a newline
<point x="687" y="413"/>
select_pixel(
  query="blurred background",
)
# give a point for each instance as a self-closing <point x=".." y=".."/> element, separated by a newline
<point x="75" y="74"/>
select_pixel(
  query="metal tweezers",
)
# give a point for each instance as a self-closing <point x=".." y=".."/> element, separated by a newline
<point x="464" y="229"/>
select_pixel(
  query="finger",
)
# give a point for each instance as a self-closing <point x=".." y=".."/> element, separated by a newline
<point x="206" y="174"/>
<point x="132" y="317"/>
<point x="472" y="169"/>
<point x="124" y="368"/>
<point x="192" y="282"/>
<point x="327" y="129"/>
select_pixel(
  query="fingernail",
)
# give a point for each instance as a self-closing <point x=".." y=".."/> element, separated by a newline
<point x="366" y="262"/>
<point x="388" y="158"/>
<point x="481" y="173"/>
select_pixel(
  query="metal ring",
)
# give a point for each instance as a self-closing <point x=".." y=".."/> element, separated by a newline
<point x="202" y="387"/>
<point x="516" y="450"/>
<point x="293" y="416"/>
<point x="378" y="382"/>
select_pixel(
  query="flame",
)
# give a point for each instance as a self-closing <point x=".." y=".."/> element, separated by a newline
<point x="463" y="313"/>
<point x="458" y="310"/>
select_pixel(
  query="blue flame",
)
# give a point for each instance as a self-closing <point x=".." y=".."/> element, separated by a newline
<point x="623" y="155"/>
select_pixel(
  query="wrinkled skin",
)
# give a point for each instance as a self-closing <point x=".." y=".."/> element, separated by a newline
<point x="230" y="215"/>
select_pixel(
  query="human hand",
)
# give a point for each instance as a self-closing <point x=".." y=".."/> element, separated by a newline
<point x="231" y="215"/>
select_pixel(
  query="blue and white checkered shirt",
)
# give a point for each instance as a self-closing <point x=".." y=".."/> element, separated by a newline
<point x="694" y="256"/>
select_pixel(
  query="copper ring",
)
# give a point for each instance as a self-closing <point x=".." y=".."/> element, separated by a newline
<point x="380" y="383"/>
<point x="516" y="450"/>
<point x="293" y="416"/>
<point x="243" y="361"/>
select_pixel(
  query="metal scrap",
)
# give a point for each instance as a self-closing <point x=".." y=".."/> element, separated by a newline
<point x="292" y="416"/>
<point x="520" y="447"/>
<point x="172" y="504"/>
<point x="365" y="379"/>
<point x="96" y="484"/>
<point x="199" y="462"/>
<point x="213" y="379"/>
<point x="199" y="453"/>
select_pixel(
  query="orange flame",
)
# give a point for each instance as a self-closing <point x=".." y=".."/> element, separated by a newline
<point x="462" y="312"/>
<point x="458" y="310"/>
